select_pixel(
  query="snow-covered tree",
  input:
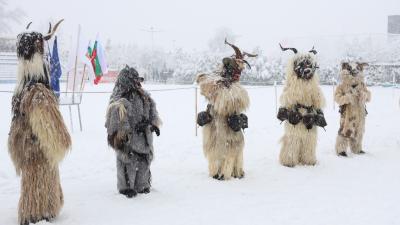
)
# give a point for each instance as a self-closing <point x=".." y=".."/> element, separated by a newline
<point x="182" y="66"/>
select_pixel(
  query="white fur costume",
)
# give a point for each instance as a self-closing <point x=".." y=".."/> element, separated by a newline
<point x="299" y="143"/>
<point x="222" y="146"/>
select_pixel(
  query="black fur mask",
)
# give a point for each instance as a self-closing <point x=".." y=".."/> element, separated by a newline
<point x="231" y="69"/>
<point x="304" y="64"/>
<point x="354" y="68"/>
<point x="28" y="44"/>
<point x="305" y="67"/>
<point x="128" y="80"/>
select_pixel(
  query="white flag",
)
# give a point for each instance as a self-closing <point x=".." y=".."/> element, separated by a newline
<point x="102" y="58"/>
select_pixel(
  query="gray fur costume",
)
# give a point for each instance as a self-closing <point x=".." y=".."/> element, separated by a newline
<point x="131" y="119"/>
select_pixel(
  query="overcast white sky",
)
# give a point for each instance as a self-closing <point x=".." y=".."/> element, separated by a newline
<point x="191" y="23"/>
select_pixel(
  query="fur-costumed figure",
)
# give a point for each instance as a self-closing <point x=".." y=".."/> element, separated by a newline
<point x="301" y="109"/>
<point x="38" y="138"/>
<point x="224" y="121"/>
<point x="131" y="119"/>
<point x="351" y="95"/>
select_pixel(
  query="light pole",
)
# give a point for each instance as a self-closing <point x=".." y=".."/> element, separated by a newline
<point x="152" y="31"/>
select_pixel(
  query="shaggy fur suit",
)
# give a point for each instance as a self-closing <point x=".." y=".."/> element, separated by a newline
<point x="37" y="142"/>
<point x="222" y="146"/>
<point x="298" y="142"/>
<point x="351" y="95"/>
<point x="130" y="119"/>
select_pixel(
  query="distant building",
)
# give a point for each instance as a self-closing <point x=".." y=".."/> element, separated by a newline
<point x="393" y="29"/>
<point x="394" y="24"/>
<point x="390" y="71"/>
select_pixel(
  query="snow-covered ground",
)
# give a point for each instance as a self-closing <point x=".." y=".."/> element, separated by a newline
<point x="355" y="190"/>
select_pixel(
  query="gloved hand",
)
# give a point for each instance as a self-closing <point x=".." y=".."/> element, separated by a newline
<point x="294" y="117"/>
<point x="141" y="127"/>
<point x="155" y="129"/>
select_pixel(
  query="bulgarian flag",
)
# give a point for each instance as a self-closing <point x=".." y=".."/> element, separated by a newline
<point x="93" y="56"/>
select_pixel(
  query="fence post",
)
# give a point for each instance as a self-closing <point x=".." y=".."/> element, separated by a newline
<point x="333" y="92"/>
<point x="276" y="98"/>
<point x="195" y="110"/>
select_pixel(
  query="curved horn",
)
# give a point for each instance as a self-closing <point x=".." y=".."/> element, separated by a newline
<point x="313" y="50"/>
<point x="237" y="50"/>
<point x="29" y="24"/>
<point x="247" y="63"/>
<point x="49" y="28"/>
<point x="50" y="34"/>
<point x="284" y="49"/>
<point x="249" y="55"/>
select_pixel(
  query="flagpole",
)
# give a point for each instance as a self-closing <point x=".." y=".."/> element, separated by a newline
<point x="83" y="79"/>
<point x="76" y="64"/>
<point x="195" y="109"/>
<point x="152" y="31"/>
<point x="49" y="63"/>
<point x="81" y="94"/>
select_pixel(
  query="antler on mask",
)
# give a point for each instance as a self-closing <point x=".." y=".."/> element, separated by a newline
<point x="51" y="33"/>
<point x="237" y="50"/>
<point x="239" y="54"/>
<point x="249" y="55"/>
<point x="49" y="28"/>
<point x="313" y="51"/>
<point x="284" y="49"/>
<point x="29" y="24"/>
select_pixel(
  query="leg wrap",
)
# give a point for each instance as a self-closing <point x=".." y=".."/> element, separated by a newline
<point x="341" y="144"/>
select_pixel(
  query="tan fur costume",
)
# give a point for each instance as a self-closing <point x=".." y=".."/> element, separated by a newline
<point x="37" y="142"/>
<point x="351" y="95"/>
<point x="222" y="146"/>
<point x="298" y="143"/>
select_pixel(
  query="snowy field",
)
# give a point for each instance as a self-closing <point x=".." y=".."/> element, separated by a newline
<point x="355" y="190"/>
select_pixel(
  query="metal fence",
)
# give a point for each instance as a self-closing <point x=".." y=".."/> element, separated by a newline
<point x="8" y="67"/>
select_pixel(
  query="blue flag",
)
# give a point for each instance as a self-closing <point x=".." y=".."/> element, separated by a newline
<point x="55" y="69"/>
